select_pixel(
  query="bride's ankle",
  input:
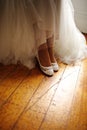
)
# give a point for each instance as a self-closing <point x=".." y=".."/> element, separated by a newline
<point x="50" y="46"/>
<point x="51" y="54"/>
<point x="43" y="55"/>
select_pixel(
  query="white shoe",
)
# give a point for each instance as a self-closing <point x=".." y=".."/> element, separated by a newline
<point x="55" y="66"/>
<point x="46" y="70"/>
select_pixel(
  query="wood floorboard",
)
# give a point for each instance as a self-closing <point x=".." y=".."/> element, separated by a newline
<point x="5" y="71"/>
<point x="11" y="83"/>
<point x="79" y="103"/>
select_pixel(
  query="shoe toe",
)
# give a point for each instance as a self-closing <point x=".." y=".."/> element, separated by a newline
<point x="49" y="72"/>
<point x="55" y="67"/>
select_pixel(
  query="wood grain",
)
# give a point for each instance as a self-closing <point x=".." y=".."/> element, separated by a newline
<point x="30" y="100"/>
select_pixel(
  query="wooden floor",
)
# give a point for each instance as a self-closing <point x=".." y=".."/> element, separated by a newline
<point x="30" y="100"/>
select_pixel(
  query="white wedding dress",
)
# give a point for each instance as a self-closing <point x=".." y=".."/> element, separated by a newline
<point x="17" y="36"/>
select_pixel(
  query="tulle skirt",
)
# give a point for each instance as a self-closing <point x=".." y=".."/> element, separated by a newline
<point x="71" y="45"/>
<point x="26" y="24"/>
<point x="17" y="37"/>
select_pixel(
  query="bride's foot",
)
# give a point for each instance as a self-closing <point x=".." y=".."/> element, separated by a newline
<point x="44" y="60"/>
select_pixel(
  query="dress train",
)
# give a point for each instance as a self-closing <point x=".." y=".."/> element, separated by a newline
<point x="71" y="45"/>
